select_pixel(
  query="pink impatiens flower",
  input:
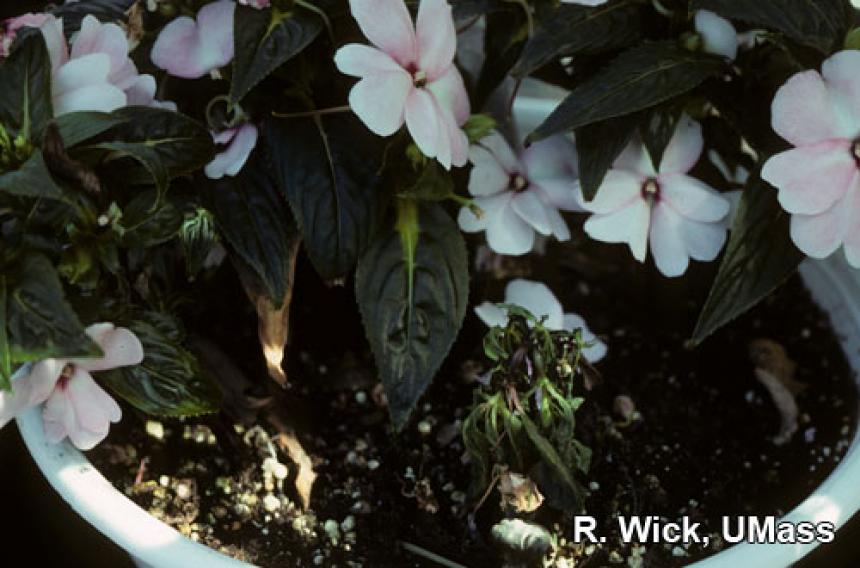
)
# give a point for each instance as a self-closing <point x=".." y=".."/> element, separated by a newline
<point x="75" y="405"/>
<point x="680" y="216"/>
<point x="409" y="76"/>
<point x="96" y="73"/>
<point x="819" y="179"/>
<point x="191" y="49"/>
<point x="240" y="142"/>
<point x="519" y="197"/>
<point x="538" y="299"/>
<point x="9" y="29"/>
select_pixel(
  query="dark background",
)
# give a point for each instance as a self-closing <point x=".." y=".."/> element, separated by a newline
<point x="39" y="524"/>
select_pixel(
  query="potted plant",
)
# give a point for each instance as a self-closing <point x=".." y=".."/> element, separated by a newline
<point x="183" y="183"/>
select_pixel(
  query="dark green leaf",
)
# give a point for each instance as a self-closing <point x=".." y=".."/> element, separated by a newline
<point x="25" y="96"/>
<point x="147" y="221"/>
<point x="506" y="34"/>
<point x="639" y="78"/>
<point x="255" y="220"/>
<point x="5" y="347"/>
<point x="434" y="184"/>
<point x="412" y="287"/>
<point x="331" y="183"/>
<point x="40" y="322"/>
<point x="760" y="256"/>
<point x="658" y="130"/>
<point x="465" y="10"/>
<point x="166" y="144"/>
<point x="76" y="127"/>
<point x="73" y="13"/>
<point x="549" y="455"/>
<point x="820" y="24"/>
<point x="32" y="180"/>
<point x="571" y="30"/>
<point x="598" y="145"/>
<point x="169" y="381"/>
<point x="265" y="40"/>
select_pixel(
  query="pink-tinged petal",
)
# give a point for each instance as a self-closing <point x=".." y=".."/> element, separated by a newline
<point x="843" y="78"/>
<point x="852" y="232"/>
<point x="379" y="100"/>
<point x="490" y="206"/>
<point x="422" y="120"/>
<point x="561" y="193"/>
<point x="388" y="26"/>
<point x="492" y="314"/>
<point x="802" y="111"/>
<point x="58" y="416"/>
<point x="215" y="25"/>
<point x="499" y="148"/>
<point x="436" y="37"/>
<point x="693" y="199"/>
<point x="557" y="226"/>
<point x="30" y="389"/>
<point x="810" y="179"/>
<point x="487" y="177"/>
<point x="457" y="140"/>
<point x="529" y="206"/>
<point x="88" y="70"/>
<point x="55" y="40"/>
<point x="684" y="149"/>
<point x="103" y="98"/>
<point x="120" y="346"/>
<point x="590" y="3"/>
<point x="29" y="20"/>
<point x="718" y="34"/>
<point x="142" y="91"/>
<point x="703" y="241"/>
<point x="110" y="39"/>
<point x="537" y="298"/>
<point x="820" y="235"/>
<point x="361" y="60"/>
<point x="507" y="233"/>
<point x="667" y="241"/>
<point x="95" y="409"/>
<point x="191" y="49"/>
<point x="552" y="158"/>
<point x="225" y="136"/>
<point x="636" y="159"/>
<point x="445" y="136"/>
<point x="231" y="161"/>
<point x="619" y="189"/>
<point x="627" y="225"/>
<point x="450" y="93"/>
<point x="598" y="349"/>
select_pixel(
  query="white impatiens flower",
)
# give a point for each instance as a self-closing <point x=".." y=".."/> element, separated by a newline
<point x="819" y="178"/>
<point x="680" y="216"/>
<point x="538" y="299"/>
<point x="585" y="2"/>
<point x="718" y="34"/>
<point x="521" y="196"/>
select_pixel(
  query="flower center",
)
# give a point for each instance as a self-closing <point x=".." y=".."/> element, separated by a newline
<point x="517" y="183"/>
<point x="856" y="151"/>
<point x="419" y="79"/>
<point x="65" y="376"/>
<point x="651" y="190"/>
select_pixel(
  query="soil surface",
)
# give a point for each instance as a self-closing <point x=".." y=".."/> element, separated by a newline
<point x="700" y="443"/>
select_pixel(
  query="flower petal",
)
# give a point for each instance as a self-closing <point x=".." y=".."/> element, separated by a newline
<point x="491" y="314"/>
<point x="693" y="199"/>
<point x="58" y="416"/>
<point x="703" y="241"/>
<point x="626" y="225"/>
<point x="190" y="49"/>
<point x="562" y="193"/>
<point x="30" y="389"/>
<point x="436" y="37"/>
<point x="618" y="190"/>
<point x="457" y="140"/>
<point x="104" y="98"/>
<point x="598" y="349"/>
<point x="667" y="241"/>
<point x="490" y="207"/>
<point x="120" y="346"/>
<point x="388" y="26"/>
<point x="635" y="158"/>
<point x="820" y="235"/>
<point x="803" y="112"/>
<point x="450" y="93"/>
<point x="231" y="161"/>
<point x="496" y="144"/>
<point x="422" y="120"/>
<point x="852" y="233"/>
<point x="537" y="298"/>
<point x="842" y="76"/>
<point x="718" y="34"/>
<point x="810" y="179"/>
<point x="95" y="408"/>
<point x="551" y="158"/>
<point x="142" y="91"/>
<point x="507" y="233"/>
<point x="379" y="101"/>
<point x="529" y="206"/>
<point x="55" y="40"/>
<point x="684" y="149"/>
<point x="487" y="177"/>
<point x="361" y="60"/>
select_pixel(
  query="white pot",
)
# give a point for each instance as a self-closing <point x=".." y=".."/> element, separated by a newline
<point x="834" y="285"/>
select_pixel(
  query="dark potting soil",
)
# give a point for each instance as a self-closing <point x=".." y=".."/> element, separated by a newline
<point x="701" y="445"/>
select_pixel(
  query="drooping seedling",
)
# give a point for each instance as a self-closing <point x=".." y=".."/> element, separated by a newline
<point x="523" y="415"/>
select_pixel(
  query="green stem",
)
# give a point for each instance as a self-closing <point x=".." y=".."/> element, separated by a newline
<point x="305" y="114"/>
